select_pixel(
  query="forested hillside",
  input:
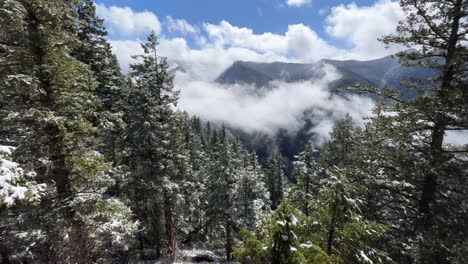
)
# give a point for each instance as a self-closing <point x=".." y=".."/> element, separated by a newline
<point x="98" y="166"/>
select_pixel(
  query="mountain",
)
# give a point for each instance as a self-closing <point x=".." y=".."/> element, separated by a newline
<point x="381" y="72"/>
<point x="261" y="74"/>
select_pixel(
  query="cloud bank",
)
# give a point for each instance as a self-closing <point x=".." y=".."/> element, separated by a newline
<point x="285" y="106"/>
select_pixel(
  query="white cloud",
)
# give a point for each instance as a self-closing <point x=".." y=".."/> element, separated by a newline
<point x="124" y="49"/>
<point x="307" y="46"/>
<point x="225" y="34"/>
<point x="298" y="3"/>
<point x="127" y="22"/>
<point x="259" y="11"/>
<point x="283" y="107"/>
<point x="361" y="26"/>
<point x="181" y="25"/>
<point x="222" y="44"/>
<point x="323" y="11"/>
<point x="300" y="41"/>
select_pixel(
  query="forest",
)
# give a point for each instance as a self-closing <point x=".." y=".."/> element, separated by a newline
<point x="99" y="166"/>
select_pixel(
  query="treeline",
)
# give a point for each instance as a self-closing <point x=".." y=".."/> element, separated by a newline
<point x="97" y="166"/>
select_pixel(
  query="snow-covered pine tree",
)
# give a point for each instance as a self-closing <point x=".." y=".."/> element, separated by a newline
<point x="344" y="138"/>
<point x="252" y="198"/>
<point x="333" y="190"/>
<point x="275" y="179"/>
<point x="305" y="171"/>
<point x="238" y="194"/>
<point x="155" y="143"/>
<point x="194" y="186"/>
<point x="54" y="106"/>
<point x="222" y="180"/>
<point x="282" y="239"/>
<point x="19" y="194"/>
<point x="337" y="223"/>
<point x="95" y="51"/>
<point x="425" y="177"/>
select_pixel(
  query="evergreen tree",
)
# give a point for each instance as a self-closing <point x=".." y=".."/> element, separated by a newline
<point x="275" y="179"/>
<point x="338" y="224"/>
<point x="55" y="106"/>
<point x="281" y="240"/>
<point x="155" y="158"/>
<point x="96" y="52"/>
<point x="305" y="171"/>
<point x="238" y="195"/>
<point x="221" y="201"/>
<point x="194" y="186"/>
<point x="409" y="135"/>
<point x="338" y="151"/>
<point x="252" y="194"/>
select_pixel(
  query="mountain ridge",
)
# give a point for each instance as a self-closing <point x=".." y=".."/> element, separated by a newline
<point x="382" y="72"/>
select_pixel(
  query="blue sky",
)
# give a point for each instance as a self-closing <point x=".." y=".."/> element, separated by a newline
<point x="259" y="15"/>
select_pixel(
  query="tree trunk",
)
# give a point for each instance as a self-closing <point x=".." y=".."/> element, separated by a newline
<point x="438" y="132"/>
<point x="170" y="226"/>
<point x="229" y="242"/>
<point x="430" y="180"/>
<point x="306" y="207"/>
<point x="142" y="249"/>
<point x="331" y="231"/>
<point x="5" y="256"/>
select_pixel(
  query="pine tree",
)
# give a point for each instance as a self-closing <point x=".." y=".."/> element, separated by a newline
<point x="238" y="194"/>
<point x="441" y="32"/>
<point x="275" y="179"/>
<point x="281" y="239"/>
<point x="338" y="224"/>
<point x="411" y="133"/>
<point x="194" y="186"/>
<point x="221" y="201"/>
<point x="338" y="151"/>
<point x="55" y="107"/>
<point x="155" y="140"/>
<point x="95" y="51"/>
<point x="252" y="195"/>
<point x="305" y="171"/>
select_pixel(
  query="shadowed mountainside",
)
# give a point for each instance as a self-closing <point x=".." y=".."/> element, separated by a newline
<point x="381" y="72"/>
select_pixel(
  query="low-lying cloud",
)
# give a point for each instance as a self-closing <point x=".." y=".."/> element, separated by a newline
<point x="283" y="107"/>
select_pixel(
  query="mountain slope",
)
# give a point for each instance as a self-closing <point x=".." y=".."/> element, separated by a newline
<point x="381" y="72"/>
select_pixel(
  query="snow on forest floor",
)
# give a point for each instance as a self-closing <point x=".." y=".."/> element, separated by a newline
<point x="194" y="255"/>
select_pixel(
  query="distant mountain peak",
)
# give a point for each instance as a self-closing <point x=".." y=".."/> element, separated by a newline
<point x="380" y="72"/>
